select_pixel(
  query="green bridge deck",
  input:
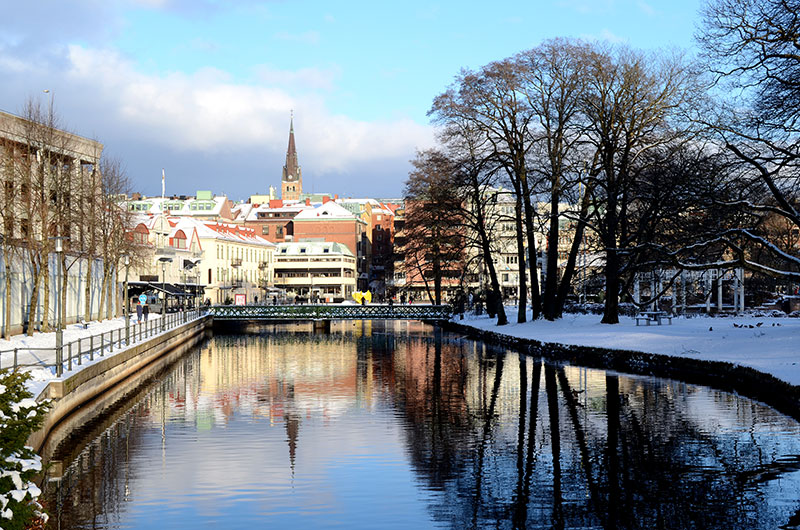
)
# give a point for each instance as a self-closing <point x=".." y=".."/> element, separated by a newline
<point x="331" y="312"/>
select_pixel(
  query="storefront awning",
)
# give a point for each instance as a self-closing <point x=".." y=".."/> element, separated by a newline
<point x="169" y="288"/>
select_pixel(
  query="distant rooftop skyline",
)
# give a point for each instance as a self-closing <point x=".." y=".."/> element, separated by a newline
<point x="205" y="89"/>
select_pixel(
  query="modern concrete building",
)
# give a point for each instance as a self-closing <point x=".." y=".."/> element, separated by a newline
<point x="38" y="161"/>
<point x="315" y="271"/>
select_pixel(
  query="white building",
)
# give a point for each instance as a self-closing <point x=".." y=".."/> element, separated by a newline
<point x="315" y="271"/>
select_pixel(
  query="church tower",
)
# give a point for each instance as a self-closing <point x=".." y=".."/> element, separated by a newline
<point x="292" y="178"/>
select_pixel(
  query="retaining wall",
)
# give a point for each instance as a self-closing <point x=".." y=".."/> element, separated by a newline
<point x="70" y="393"/>
<point x="780" y="395"/>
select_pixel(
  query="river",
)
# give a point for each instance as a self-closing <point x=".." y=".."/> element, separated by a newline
<point x="397" y="425"/>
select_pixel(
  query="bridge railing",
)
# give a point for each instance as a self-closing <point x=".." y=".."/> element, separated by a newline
<point x="331" y="312"/>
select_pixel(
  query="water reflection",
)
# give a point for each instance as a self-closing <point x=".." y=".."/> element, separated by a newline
<point x="397" y="425"/>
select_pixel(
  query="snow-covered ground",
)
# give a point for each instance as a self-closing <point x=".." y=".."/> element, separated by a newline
<point x="767" y="344"/>
<point x="40" y="348"/>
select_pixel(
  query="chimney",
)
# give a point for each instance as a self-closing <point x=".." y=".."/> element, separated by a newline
<point x="336" y="197"/>
<point x="308" y="201"/>
<point x="276" y="203"/>
<point x="326" y="199"/>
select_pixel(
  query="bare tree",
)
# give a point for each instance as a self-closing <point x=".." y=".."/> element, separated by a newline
<point x="9" y="215"/>
<point x="554" y="78"/>
<point x="754" y="47"/>
<point x="473" y="176"/>
<point x="491" y="99"/>
<point x="42" y="200"/>
<point x="434" y="240"/>
<point x="634" y="103"/>
<point x="114" y="222"/>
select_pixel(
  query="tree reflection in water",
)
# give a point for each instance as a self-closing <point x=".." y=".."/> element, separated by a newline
<point x="640" y="453"/>
<point x="494" y="439"/>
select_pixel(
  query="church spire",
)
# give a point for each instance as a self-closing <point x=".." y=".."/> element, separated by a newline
<point x="291" y="180"/>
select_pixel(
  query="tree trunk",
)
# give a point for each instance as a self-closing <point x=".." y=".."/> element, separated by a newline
<point x="549" y="303"/>
<point x="46" y="294"/>
<point x="7" y="312"/>
<point x="536" y="297"/>
<point x="87" y="291"/>
<point x="569" y="269"/>
<point x="32" y="303"/>
<point x="523" y="280"/>
<point x="611" y="310"/>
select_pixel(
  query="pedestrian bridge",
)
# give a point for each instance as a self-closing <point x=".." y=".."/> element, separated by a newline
<point x="331" y="312"/>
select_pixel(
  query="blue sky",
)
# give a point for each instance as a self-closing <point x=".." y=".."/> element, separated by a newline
<point x="204" y="88"/>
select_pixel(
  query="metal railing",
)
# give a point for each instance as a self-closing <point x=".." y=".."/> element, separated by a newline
<point x="84" y="349"/>
<point x="331" y="312"/>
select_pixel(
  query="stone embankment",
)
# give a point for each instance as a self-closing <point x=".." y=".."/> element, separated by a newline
<point x="84" y="396"/>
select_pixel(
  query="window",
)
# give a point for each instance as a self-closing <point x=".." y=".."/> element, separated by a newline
<point x="265" y="230"/>
<point x="278" y="231"/>
<point x="302" y="250"/>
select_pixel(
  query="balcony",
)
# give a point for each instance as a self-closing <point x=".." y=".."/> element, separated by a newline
<point x="236" y="262"/>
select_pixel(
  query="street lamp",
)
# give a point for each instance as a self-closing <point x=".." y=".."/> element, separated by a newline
<point x="59" y="248"/>
<point x="197" y="286"/>
<point x="164" y="262"/>
<point x="126" y="260"/>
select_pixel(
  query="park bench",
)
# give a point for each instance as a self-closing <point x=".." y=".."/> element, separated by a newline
<point x="653" y="316"/>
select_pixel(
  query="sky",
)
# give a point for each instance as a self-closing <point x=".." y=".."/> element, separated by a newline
<point x="205" y="88"/>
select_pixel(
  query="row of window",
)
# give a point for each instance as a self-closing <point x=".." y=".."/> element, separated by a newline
<point x="278" y="231"/>
<point x="346" y="274"/>
<point x="225" y="275"/>
<point x="228" y="252"/>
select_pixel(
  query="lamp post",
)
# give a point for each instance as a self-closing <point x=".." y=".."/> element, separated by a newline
<point x="126" y="260"/>
<point x="197" y="286"/>
<point x="164" y="262"/>
<point x="59" y="248"/>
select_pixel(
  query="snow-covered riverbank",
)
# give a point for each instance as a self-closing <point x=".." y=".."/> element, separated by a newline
<point x="767" y="344"/>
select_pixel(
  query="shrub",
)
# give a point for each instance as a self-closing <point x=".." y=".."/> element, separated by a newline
<point x="20" y="415"/>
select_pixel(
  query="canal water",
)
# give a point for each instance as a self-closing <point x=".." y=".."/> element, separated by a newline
<point x="397" y="425"/>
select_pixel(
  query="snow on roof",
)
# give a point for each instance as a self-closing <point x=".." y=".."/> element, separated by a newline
<point x="293" y="207"/>
<point x="240" y="212"/>
<point x="178" y="206"/>
<point x="224" y="231"/>
<point x="312" y="248"/>
<point x="329" y="210"/>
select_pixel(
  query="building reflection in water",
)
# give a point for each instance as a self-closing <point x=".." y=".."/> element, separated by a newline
<point x="380" y="424"/>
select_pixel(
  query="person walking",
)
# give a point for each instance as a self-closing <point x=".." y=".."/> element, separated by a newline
<point x="138" y="312"/>
<point x="146" y="312"/>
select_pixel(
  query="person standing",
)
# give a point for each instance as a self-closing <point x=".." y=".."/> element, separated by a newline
<point x="138" y="312"/>
<point x="146" y="312"/>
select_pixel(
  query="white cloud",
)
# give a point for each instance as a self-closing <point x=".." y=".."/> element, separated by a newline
<point x="206" y="112"/>
<point x="647" y="9"/>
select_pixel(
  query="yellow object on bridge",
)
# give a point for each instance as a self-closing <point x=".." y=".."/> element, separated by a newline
<point x="359" y="297"/>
